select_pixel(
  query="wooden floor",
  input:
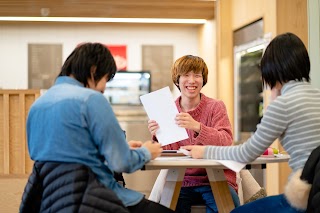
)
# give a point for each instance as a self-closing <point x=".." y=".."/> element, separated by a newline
<point x="12" y="188"/>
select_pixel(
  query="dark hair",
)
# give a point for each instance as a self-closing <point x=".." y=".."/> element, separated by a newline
<point x="186" y="64"/>
<point x="286" y="58"/>
<point x="86" y="56"/>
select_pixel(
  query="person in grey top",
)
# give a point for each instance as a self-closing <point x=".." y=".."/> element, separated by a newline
<point x="293" y="117"/>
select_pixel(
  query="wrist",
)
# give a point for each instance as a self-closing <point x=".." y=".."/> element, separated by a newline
<point x="198" y="128"/>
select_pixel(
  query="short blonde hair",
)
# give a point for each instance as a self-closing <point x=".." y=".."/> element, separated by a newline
<point x="186" y="64"/>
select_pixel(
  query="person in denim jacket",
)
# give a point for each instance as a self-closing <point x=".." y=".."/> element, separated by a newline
<point x="74" y="123"/>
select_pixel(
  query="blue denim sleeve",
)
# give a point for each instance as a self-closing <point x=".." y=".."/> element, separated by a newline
<point x="108" y="136"/>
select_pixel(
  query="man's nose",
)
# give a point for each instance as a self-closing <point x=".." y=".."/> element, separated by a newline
<point x="191" y="78"/>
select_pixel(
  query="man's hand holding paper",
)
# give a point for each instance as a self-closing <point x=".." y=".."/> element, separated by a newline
<point x="185" y="120"/>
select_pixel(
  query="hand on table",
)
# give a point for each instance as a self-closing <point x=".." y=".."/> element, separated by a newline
<point x="195" y="151"/>
<point x="154" y="149"/>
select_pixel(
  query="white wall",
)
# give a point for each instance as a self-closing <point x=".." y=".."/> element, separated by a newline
<point x="208" y="46"/>
<point x="14" y="39"/>
<point x="314" y="40"/>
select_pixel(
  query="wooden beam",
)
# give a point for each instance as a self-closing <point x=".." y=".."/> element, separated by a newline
<point x="6" y="139"/>
<point x="112" y="8"/>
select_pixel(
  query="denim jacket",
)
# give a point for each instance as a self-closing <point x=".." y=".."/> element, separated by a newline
<point x="71" y="123"/>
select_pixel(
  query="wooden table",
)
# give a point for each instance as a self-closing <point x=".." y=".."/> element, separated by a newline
<point x="176" y="169"/>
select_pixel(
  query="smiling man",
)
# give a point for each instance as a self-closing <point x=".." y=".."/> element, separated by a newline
<point x="206" y="122"/>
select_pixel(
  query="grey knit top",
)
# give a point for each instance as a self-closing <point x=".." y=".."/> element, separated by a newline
<point x="293" y="117"/>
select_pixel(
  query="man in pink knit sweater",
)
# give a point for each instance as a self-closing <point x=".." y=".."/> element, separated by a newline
<point x="207" y="123"/>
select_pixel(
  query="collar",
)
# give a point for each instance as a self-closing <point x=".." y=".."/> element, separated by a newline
<point x="67" y="80"/>
<point x="198" y="110"/>
<point x="290" y="84"/>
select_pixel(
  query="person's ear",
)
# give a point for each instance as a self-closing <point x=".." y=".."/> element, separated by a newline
<point x="93" y="72"/>
<point x="177" y="85"/>
<point x="177" y="82"/>
<point x="90" y="81"/>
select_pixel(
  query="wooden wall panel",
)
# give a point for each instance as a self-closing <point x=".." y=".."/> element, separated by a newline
<point x="247" y="11"/>
<point x="14" y="108"/>
<point x="1" y="135"/>
<point x="4" y="137"/>
<point x="15" y="155"/>
<point x="292" y="17"/>
<point x="29" y="99"/>
<point x="110" y="8"/>
<point x="224" y="51"/>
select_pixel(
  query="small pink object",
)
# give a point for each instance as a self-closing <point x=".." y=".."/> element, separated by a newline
<point x="269" y="151"/>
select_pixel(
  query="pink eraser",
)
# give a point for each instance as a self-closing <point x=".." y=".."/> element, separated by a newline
<point x="269" y="151"/>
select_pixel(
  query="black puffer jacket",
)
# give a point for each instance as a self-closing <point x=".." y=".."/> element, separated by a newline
<point x="311" y="173"/>
<point x="61" y="187"/>
<point x="303" y="189"/>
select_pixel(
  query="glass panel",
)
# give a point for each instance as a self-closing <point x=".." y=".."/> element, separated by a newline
<point x="248" y="91"/>
<point x="127" y="86"/>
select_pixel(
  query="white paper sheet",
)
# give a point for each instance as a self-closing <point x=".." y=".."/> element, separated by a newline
<point x="160" y="107"/>
<point x="230" y="164"/>
<point x="180" y="158"/>
<point x="233" y="165"/>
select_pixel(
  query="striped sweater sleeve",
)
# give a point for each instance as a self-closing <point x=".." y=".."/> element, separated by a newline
<point x="272" y="126"/>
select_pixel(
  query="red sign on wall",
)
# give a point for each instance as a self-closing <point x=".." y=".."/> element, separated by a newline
<point x="119" y="53"/>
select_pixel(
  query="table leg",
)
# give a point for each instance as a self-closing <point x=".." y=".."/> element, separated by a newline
<point x="220" y="190"/>
<point x="171" y="190"/>
<point x="258" y="172"/>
